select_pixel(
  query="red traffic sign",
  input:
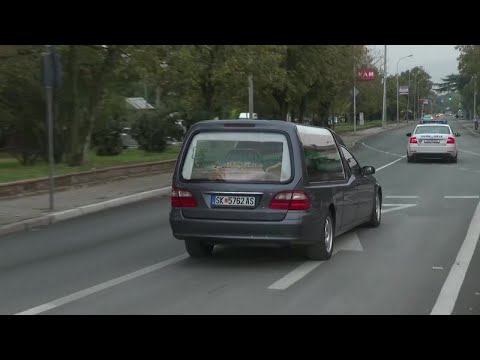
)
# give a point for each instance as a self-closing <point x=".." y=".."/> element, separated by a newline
<point x="366" y="74"/>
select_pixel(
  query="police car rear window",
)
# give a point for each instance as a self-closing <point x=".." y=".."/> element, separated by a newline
<point x="432" y="130"/>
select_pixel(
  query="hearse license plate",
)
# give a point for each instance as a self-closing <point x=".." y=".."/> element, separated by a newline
<point x="236" y="201"/>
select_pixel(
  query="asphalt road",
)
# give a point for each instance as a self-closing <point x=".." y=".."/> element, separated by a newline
<point x="125" y="260"/>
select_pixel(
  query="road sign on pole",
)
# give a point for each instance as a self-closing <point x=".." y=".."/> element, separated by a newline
<point x="51" y="79"/>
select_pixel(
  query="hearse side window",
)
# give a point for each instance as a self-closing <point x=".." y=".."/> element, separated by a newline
<point x="322" y="158"/>
<point x="352" y="163"/>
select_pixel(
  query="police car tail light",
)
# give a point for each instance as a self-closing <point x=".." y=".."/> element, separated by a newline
<point x="413" y="140"/>
<point x="290" y="200"/>
<point x="450" y="140"/>
<point x="182" y="198"/>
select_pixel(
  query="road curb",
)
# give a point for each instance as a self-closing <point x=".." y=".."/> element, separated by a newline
<point x="81" y="211"/>
<point x="362" y="138"/>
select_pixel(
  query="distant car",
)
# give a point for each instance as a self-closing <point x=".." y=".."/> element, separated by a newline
<point x="330" y="120"/>
<point x="258" y="182"/>
<point x="432" y="141"/>
<point x="172" y="141"/>
<point x="128" y="142"/>
<point x="430" y="119"/>
<point x="427" y="117"/>
<point x="247" y="115"/>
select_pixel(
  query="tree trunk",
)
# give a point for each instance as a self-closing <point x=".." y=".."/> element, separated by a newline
<point x="74" y="153"/>
<point x="208" y="85"/>
<point x="157" y="98"/>
<point x="332" y="112"/>
<point x="96" y="96"/>
<point x="280" y="97"/>
<point x="303" y="106"/>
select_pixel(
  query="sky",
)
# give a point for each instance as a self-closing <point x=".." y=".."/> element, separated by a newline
<point x="438" y="60"/>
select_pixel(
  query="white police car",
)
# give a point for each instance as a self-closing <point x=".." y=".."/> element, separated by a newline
<point x="432" y="141"/>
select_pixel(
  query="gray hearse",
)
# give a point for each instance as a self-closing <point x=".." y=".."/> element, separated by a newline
<point x="267" y="182"/>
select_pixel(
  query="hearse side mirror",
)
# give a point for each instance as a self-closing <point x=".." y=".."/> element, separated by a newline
<point x="368" y="170"/>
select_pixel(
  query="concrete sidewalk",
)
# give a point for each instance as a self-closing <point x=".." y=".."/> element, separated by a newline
<point x="28" y="207"/>
<point x="30" y="211"/>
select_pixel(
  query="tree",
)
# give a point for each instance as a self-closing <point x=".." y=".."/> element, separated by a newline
<point x="89" y="71"/>
<point x="469" y="71"/>
<point x="22" y="104"/>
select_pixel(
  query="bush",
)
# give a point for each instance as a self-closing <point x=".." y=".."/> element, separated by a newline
<point x="108" y="140"/>
<point x="24" y="142"/>
<point x="149" y="130"/>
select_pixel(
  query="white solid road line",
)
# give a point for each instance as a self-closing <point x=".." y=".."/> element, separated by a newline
<point x="397" y="207"/>
<point x="400" y="197"/>
<point x="462" y="197"/>
<point x="346" y="242"/>
<point x="295" y="275"/>
<point x="105" y="285"/>
<point x="393" y="162"/>
<point x="381" y="151"/>
<point x="451" y="288"/>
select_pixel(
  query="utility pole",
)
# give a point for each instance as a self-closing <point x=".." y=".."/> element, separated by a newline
<point x="414" y="95"/>
<point x="408" y="100"/>
<point x="384" y="112"/>
<point x="250" y="96"/>
<point x="354" y="93"/>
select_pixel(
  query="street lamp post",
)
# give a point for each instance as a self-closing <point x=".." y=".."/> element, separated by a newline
<point x="250" y="97"/>
<point x="408" y="56"/>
